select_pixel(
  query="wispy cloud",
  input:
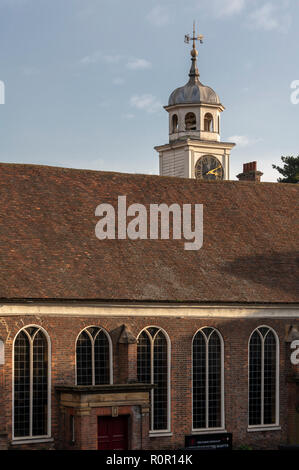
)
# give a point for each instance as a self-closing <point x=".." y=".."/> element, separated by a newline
<point x="146" y="102"/>
<point x="223" y="8"/>
<point x="243" y="140"/>
<point x="131" y="63"/>
<point x="266" y="15"/>
<point x="138" y="64"/>
<point x="98" y="56"/>
<point x="112" y="59"/>
<point x="229" y="7"/>
<point x="159" y="16"/>
<point x="91" y="58"/>
<point x="271" y="17"/>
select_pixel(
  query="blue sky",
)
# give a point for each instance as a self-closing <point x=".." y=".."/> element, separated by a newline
<point x="85" y="80"/>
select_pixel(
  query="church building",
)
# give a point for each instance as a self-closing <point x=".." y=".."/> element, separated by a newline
<point x="138" y="343"/>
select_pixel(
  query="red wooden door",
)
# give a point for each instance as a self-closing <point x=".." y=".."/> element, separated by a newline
<point x="112" y="433"/>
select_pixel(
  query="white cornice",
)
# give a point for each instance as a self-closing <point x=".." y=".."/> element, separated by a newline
<point x="147" y="310"/>
<point x="196" y="144"/>
<point x="195" y="105"/>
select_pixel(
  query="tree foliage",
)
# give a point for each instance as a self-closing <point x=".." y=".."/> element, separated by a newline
<point x="290" y="170"/>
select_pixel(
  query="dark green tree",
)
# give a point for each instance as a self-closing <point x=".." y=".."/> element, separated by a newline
<point x="290" y="170"/>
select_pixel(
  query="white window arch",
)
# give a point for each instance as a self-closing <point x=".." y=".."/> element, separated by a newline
<point x="153" y="367"/>
<point x="2" y="352"/>
<point x="208" y="122"/>
<point x="263" y="378"/>
<point x="175" y="123"/>
<point x="207" y="380"/>
<point x="31" y="383"/>
<point x="94" y="357"/>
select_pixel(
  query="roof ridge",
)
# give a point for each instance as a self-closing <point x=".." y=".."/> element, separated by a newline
<point x="138" y="175"/>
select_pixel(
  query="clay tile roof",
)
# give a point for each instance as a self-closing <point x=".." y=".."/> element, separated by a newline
<point x="48" y="248"/>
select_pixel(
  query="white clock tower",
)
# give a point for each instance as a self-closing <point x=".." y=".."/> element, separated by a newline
<point x="194" y="149"/>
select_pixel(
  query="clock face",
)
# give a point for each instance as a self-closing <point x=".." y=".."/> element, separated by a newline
<point x="209" y="168"/>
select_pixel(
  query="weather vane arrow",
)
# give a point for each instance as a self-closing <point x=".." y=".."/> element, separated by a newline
<point x="194" y="37"/>
<point x="194" y="73"/>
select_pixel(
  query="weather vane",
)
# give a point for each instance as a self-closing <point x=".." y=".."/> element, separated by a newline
<point x="194" y="38"/>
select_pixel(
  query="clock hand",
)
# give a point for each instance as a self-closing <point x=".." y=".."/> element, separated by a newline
<point x="212" y="172"/>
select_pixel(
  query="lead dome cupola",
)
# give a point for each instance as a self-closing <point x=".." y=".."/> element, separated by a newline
<point x="194" y="92"/>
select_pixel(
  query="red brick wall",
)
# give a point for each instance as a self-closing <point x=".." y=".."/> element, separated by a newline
<point x="64" y="330"/>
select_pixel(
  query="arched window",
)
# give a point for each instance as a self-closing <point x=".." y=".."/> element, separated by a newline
<point x="153" y="366"/>
<point x="31" y="403"/>
<point x="94" y="357"/>
<point x="190" y="122"/>
<point x="208" y="395"/>
<point x="209" y="123"/>
<point x="174" y="123"/>
<point x="263" y="377"/>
